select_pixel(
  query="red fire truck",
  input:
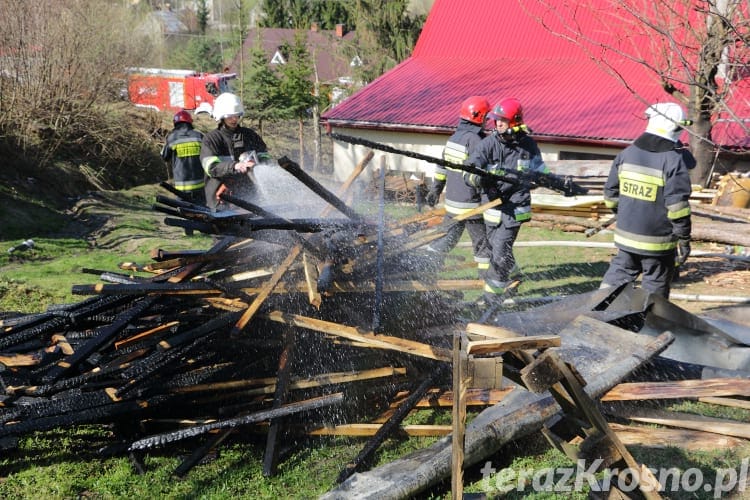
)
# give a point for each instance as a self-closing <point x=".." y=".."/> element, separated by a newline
<point x="175" y="89"/>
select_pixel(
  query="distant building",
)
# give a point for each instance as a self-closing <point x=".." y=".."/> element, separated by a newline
<point x="325" y="46"/>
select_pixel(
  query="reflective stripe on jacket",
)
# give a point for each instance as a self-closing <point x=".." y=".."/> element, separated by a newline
<point x="649" y="185"/>
<point x="500" y="154"/>
<point x="460" y="198"/>
<point x="182" y="151"/>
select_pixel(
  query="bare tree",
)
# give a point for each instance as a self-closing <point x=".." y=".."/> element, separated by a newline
<point x="698" y="51"/>
<point x="61" y="59"/>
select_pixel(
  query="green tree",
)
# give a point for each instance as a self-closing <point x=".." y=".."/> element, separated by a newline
<point x="386" y="35"/>
<point x="202" y="14"/>
<point x="297" y="85"/>
<point x="300" y="14"/>
<point x="260" y="88"/>
<point x="200" y="53"/>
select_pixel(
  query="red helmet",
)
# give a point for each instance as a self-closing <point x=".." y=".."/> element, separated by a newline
<point x="475" y="109"/>
<point x="508" y="109"/>
<point x="182" y="116"/>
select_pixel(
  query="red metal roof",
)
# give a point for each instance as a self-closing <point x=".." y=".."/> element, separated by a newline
<point x="497" y="49"/>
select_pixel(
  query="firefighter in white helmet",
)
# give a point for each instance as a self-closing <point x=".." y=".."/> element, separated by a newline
<point x="221" y="150"/>
<point x="648" y="188"/>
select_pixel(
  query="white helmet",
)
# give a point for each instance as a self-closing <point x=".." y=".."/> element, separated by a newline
<point x="666" y="120"/>
<point x="227" y="104"/>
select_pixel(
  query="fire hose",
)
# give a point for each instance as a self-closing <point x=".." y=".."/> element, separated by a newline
<point x="564" y="185"/>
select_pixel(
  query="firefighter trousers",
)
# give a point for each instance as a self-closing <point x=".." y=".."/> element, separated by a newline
<point x="478" y="234"/>
<point x="502" y="260"/>
<point x="656" y="271"/>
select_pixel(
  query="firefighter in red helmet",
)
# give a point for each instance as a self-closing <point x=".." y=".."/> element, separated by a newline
<point x="182" y="152"/>
<point x="460" y="197"/>
<point x="508" y="153"/>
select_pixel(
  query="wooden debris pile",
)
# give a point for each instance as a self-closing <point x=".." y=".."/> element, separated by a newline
<point x="280" y="317"/>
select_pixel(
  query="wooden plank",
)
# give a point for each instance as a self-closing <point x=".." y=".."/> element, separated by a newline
<point x="16" y="360"/>
<point x="231" y="423"/>
<point x="460" y="362"/>
<point x="442" y="398"/>
<point x="679" y="389"/>
<point x="357" y="335"/>
<point x="674" y="438"/>
<point x="370" y="429"/>
<point x="573" y="384"/>
<point x="694" y="422"/>
<point x="140" y="336"/>
<point x="495" y="332"/>
<point x="730" y="402"/>
<point x="268" y="384"/>
<point x="511" y="344"/>
<point x="311" y="282"/>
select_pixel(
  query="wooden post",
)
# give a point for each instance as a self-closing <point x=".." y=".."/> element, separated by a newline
<point x="459" y="415"/>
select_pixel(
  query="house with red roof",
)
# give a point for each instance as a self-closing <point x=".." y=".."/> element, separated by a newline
<point x="324" y="46"/>
<point x="575" y="109"/>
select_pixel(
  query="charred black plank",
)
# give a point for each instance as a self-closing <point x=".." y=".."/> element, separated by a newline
<point x="284" y="377"/>
<point x="105" y="336"/>
<point x="392" y="423"/>
<point x="289" y="409"/>
<point x="294" y="169"/>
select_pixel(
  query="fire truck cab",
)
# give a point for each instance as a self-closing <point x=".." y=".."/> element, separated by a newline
<point x="175" y="89"/>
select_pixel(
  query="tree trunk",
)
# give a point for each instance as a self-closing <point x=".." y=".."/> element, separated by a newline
<point x="703" y="150"/>
<point x="317" y="143"/>
<point x="301" y="125"/>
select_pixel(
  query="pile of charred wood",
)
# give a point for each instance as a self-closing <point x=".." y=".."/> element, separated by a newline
<point x="286" y="322"/>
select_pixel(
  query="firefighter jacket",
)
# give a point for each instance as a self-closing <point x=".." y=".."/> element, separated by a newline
<point x="507" y="155"/>
<point x="220" y="151"/>
<point x="459" y="196"/>
<point x="649" y="188"/>
<point x="182" y="151"/>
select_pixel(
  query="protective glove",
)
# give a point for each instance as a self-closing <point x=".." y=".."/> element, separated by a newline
<point x="683" y="251"/>
<point x="472" y="180"/>
<point x="432" y="198"/>
<point x="434" y="194"/>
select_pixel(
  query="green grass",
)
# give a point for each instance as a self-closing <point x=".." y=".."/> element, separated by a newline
<point x="65" y="463"/>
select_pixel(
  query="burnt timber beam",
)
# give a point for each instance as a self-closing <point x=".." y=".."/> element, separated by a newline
<point x="385" y="430"/>
<point x="288" y="409"/>
<point x="270" y="456"/>
<point x="105" y="335"/>
<point x="317" y="188"/>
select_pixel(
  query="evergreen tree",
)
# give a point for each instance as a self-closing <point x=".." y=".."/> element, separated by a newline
<point x="200" y="53"/>
<point x="386" y="35"/>
<point x="300" y="14"/>
<point x="260" y="88"/>
<point x="202" y="14"/>
<point x="297" y="85"/>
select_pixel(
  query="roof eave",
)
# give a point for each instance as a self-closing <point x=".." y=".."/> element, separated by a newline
<point x="390" y="127"/>
<point x="433" y="129"/>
